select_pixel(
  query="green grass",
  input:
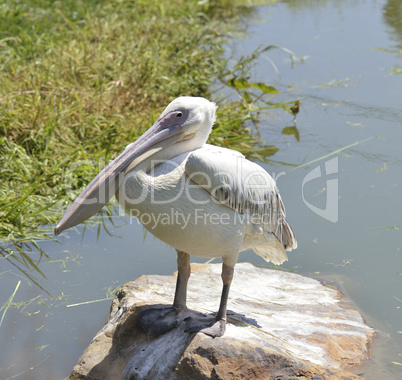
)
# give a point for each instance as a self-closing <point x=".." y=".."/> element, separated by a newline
<point x="79" y="80"/>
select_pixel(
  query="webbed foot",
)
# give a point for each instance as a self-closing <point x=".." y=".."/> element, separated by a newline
<point x="209" y="326"/>
<point x="156" y="321"/>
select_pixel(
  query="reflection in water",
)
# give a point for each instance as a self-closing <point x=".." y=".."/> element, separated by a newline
<point x="393" y="17"/>
<point x="26" y="259"/>
<point x="292" y="130"/>
<point x="316" y="4"/>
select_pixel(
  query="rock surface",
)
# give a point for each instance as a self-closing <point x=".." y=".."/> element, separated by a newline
<point x="280" y="326"/>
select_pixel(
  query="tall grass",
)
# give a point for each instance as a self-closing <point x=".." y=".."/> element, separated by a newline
<point x="79" y="80"/>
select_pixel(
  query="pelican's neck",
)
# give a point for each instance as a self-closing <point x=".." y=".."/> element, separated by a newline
<point x="170" y="152"/>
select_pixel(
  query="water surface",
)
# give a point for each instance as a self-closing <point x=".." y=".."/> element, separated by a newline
<point x="349" y="49"/>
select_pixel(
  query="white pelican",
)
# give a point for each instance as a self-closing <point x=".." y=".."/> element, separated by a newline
<point x="198" y="198"/>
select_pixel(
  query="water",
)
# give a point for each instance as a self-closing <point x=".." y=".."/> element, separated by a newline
<point x="349" y="95"/>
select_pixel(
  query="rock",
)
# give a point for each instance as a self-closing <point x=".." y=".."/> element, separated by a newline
<point x="280" y="326"/>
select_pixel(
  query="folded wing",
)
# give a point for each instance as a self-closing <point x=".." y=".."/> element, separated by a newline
<point x="243" y="186"/>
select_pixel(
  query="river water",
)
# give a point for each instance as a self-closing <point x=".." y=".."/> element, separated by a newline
<point x="338" y="169"/>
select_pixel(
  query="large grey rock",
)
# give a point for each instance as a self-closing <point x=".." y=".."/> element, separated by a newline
<point x="280" y="325"/>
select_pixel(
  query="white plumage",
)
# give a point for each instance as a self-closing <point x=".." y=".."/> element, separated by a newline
<point x="201" y="199"/>
<point x="215" y="192"/>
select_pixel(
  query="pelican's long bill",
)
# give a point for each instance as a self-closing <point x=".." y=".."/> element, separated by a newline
<point x="165" y="132"/>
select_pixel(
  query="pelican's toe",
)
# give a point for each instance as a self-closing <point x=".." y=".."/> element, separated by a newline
<point x="207" y="325"/>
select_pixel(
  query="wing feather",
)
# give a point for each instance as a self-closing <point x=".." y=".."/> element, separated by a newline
<point x="243" y="186"/>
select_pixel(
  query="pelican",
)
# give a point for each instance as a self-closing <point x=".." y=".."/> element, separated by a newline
<point x="201" y="199"/>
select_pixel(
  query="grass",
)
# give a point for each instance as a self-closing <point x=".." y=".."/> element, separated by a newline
<point x="79" y="80"/>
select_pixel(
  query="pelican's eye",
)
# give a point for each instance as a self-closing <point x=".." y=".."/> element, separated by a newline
<point x="179" y="114"/>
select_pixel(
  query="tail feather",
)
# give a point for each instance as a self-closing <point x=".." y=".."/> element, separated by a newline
<point x="272" y="250"/>
<point x="288" y="237"/>
<point x="274" y="245"/>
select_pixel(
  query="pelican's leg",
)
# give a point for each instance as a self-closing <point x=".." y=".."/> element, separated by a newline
<point x="227" y="276"/>
<point x="217" y="326"/>
<point x="183" y="274"/>
<point x="156" y="321"/>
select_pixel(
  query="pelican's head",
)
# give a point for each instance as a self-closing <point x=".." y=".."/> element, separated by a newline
<point x="195" y="115"/>
<point x="183" y="126"/>
<point x="193" y="118"/>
